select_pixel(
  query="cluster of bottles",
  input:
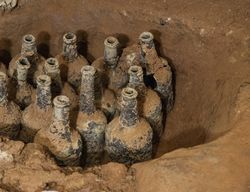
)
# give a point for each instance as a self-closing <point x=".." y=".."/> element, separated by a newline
<point x="97" y="108"/>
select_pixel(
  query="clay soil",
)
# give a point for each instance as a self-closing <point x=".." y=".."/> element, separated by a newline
<point x="205" y="146"/>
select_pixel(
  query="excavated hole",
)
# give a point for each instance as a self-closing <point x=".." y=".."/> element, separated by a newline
<point x="192" y="119"/>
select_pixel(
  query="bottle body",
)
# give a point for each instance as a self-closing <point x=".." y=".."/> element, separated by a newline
<point x="92" y="128"/>
<point x="70" y="61"/>
<point x="24" y="90"/>
<point x="59" y="87"/>
<point x="10" y="117"/>
<point x="38" y="115"/>
<point x="30" y="52"/>
<point x="62" y="141"/>
<point x="149" y="103"/>
<point x="112" y="76"/>
<point x="128" y="138"/>
<point x="91" y="123"/>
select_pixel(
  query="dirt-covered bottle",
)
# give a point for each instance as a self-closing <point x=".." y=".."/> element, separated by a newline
<point x="24" y="90"/>
<point x="10" y="114"/>
<point x="59" y="138"/>
<point x="28" y="50"/>
<point x="70" y="61"/>
<point x="91" y="122"/>
<point x="128" y="137"/>
<point x="58" y="87"/>
<point x="149" y="103"/>
<point x="110" y="74"/>
<point x="37" y="115"/>
<point x="157" y="68"/>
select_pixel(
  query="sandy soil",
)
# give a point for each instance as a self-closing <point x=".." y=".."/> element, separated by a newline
<point x="208" y="46"/>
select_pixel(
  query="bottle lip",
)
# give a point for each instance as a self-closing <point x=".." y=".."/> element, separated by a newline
<point x="52" y="63"/>
<point x="44" y="80"/>
<point x="69" y="38"/>
<point x="129" y="93"/>
<point x="135" y="69"/>
<point x="88" y="70"/>
<point x="23" y="63"/>
<point x="111" y="42"/>
<point x="29" y="39"/>
<point x="61" y="101"/>
<point x="3" y="76"/>
<point x="146" y="37"/>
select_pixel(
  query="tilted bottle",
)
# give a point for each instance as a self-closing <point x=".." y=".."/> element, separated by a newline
<point x="111" y="75"/>
<point x="38" y="115"/>
<point x="149" y="103"/>
<point x="10" y="114"/>
<point x="24" y="91"/>
<point x="58" y="87"/>
<point x="70" y="61"/>
<point x="157" y="67"/>
<point x="28" y="50"/>
<point x="91" y="123"/>
<point x="128" y="138"/>
<point x="59" y="138"/>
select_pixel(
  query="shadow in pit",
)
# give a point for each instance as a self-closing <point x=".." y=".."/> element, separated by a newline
<point x="5" y="51"/>
<point x="43" y="44"/>
<point x="82" y="45"/>
<point x="185" y="139"/>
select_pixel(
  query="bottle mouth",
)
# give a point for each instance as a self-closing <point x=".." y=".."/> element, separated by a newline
<point x="146" y="37"/>
<point x="69" y="38"/>
<point x="61" y="101"/>
<point x="88" y="70"/>
<point x="52" y="63"/>
<point x="111" y="42"/>
<point x="43" y="80"/>
<point x="23" y="63"/>
<point x="136" y="70"/>
<point x="129" y="93"/>
<point x="3" y="76"/>
<point x="29" y="39"/>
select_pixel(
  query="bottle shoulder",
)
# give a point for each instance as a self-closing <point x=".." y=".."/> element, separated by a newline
<point x="139" y="134"/>
<point x="97" y="118"/>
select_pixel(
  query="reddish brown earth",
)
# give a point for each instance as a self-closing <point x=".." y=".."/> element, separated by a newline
<point x="208" y="45"/>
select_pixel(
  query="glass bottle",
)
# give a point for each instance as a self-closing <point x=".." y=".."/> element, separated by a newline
<point x="128" y="137"/>
<point x="157" y="67"/>
<point x="70" y="61"/>
<point x="91" y="123"/>
<point x="38" y="114"/>
<point x="62" y="141"/>
<point x="58" y="87"/>
<point x="10" y="114"/>
<point x="28" y="50"/>
<point x="24" y="90"/>
<point x="111" y="75"/>
<point x="149" y="103"/>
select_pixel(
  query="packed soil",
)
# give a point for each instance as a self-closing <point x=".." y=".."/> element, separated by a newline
<point x="207" y="44"/>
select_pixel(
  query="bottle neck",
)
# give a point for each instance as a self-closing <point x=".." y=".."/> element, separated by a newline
<point x="111" y="52"/>
<point x="87" y="93"/>
<point x="29" y="46"/>
<point x="61" y="109"/>
<point x="3" y="89"/>
<point x="147" y="51"/>
<point x="51" y="68"/>
<point x="136" y="79"/>
<point x="129" y="113"/>
<point x="23" y="65"/>
<point x="69" y="47"/>
<point x="43" y="92"/>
